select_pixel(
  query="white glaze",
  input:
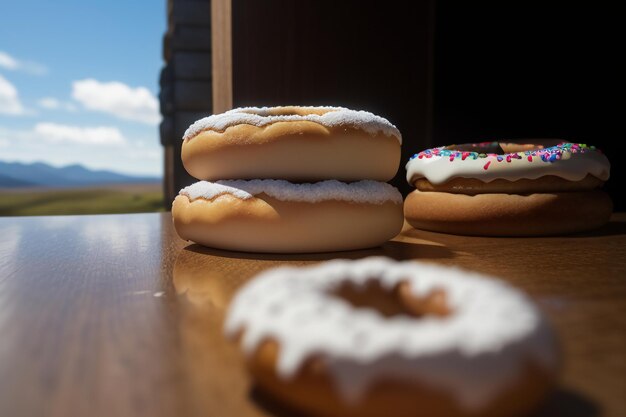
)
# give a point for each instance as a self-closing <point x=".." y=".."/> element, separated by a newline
<point x="572" y="167"/>
<point x="366" y="191"/>
<point x="259" y="116"/>
<point x="475" y="353"/>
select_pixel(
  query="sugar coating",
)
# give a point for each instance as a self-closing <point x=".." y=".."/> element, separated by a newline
<point x="260" y="116"/>
<point x="474" y="353"/>
<point x="366" y="191"/>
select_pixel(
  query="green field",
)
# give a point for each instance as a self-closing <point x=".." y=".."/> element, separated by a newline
<point x="126" y="198"/>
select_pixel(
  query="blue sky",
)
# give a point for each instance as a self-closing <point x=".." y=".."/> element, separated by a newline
<point x="79" y="81"/>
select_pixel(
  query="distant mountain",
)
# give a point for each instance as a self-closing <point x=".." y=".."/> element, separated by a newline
<point x="38" y="174"/>
<point x="12" y="182"/>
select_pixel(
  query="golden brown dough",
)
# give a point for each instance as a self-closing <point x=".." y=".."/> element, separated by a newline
<point x="265" y="224"/>
<point x="473" y="186"/>
<point x="301" y="151"/>
<point x="313" y="389"/>
<point x="295" y="150"/>
<point x="508" y="214"/>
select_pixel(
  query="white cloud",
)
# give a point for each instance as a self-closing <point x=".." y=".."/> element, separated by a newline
<point x="11" y="63"/>
<point x="9" y="100"/>
<point x="118" y="99"/>
<point x="52" y="103"/>
<point x="49" y="103"/>
<point x="100" y="135"/>
<point x="7" y="61"/>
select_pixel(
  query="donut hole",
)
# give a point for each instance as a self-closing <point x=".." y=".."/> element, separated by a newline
<point x="401" y="301"/>
<point x="499" y="148"/>
<point x="521" y="147"/>
<point x="288" y="111"/>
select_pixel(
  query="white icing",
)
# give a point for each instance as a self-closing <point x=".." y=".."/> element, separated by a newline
<point x="260" y="116"/>
<point x="474" y="353"/>
<point x="366" y="191"/>
<point x="572" y="167"/>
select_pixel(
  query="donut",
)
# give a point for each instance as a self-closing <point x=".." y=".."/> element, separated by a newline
<point x="279" y="216"/>
<point x="508" y="189"/>
<point x="361" y="338"/>
<point x="292" y="143"/>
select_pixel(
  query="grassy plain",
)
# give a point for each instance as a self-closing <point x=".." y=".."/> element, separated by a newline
<point x="117" y="198"/>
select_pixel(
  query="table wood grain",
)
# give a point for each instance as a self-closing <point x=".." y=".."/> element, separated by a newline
<point x="116" y="316"/>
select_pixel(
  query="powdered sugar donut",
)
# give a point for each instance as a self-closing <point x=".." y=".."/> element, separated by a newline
<point x="500" y="188"/>
<point x="360" y="338"/>
<point x="292" y="143"/>
<point x="279" y="216"/>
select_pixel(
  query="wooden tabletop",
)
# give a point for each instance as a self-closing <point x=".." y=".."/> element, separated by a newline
<point x="116" y="316"/>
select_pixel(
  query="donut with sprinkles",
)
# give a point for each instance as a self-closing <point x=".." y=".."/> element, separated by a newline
<point x="522" y="188"/>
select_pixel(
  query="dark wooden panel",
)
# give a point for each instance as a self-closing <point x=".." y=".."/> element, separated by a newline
<point x="191" y="65"/>
<point x="169" y="189"/>
<point x="186" y="88"/>
<point x="535" y="69"/>
<point x="189" y="13"/>
<point x="166" y="130"/>
<point x="358" y="54"/>
<point x="183" y="119"/>
<point x="181" y="177"/>
<point x="190" y="38"/>
<point x="166" y="91"/>
<point x="192" y="95"/>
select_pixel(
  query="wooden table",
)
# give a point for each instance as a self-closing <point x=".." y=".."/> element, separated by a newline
<point x="116" y="316"/>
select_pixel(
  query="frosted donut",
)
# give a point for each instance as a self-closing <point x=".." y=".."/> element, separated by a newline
<point x="508" y="189"/>
<point x="292" y="143"/>
<point x="279" y="216"/>
<point x="361" y="338"/>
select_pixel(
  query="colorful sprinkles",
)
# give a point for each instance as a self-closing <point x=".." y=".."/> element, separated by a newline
<point x="549" y="154"/>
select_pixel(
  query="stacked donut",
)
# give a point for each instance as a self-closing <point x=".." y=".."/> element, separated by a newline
<point x="290" y="179"/>
<point x="508" y="189"/>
